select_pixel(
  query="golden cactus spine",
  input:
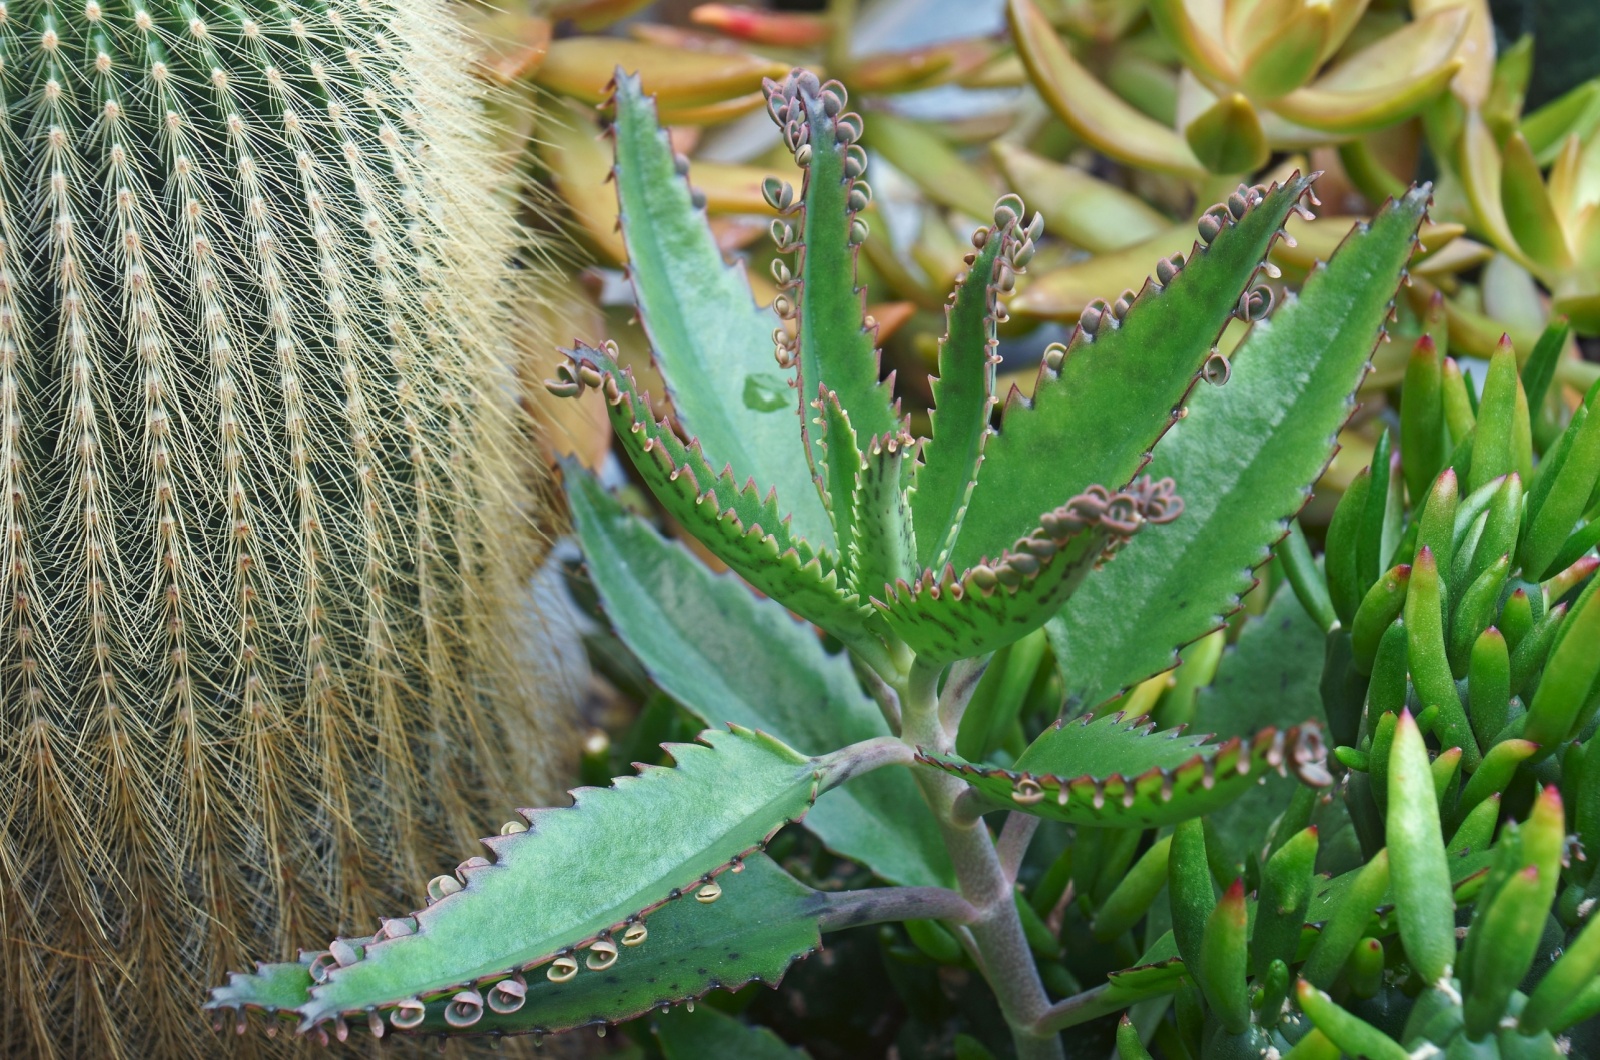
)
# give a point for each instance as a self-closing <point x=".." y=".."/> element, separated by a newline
<point x="262" y="536"/>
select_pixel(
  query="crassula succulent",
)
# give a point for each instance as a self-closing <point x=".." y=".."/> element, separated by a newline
<point x="937" y="570"/>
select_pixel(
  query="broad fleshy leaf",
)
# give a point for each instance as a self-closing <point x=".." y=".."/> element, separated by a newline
<point x="1256" y="444"/>
<point x="954" y="616"/>
<point x="729" y="656"/>
<point x="1121" y="773"/>
<point x="1097" y="413"/>
<point x="763" y="922"/>
<point x="579" y="875"/>
<point x="744" y="530"/>
<point x="836" y="349"/>
<point x="710" y="1034"/>
<point x="711" y="341"/>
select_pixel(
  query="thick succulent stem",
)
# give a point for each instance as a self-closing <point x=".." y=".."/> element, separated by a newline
<point x="997" y="930"/>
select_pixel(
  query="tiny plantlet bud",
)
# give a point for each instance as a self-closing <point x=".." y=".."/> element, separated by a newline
<point x="408" y="1014"/>
<point x="635" y="934"/>
<point x="562" y="969"/>
<point x="858" y="232"/>
<point x="855" y="161"/>
<point x="602" y="955"/>
<point x="802" y="155"/>
<point x="848" y="128"/>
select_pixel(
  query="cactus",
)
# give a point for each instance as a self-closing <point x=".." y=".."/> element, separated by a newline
<point x="263" y="513"/>
<point x="920" y="556"/>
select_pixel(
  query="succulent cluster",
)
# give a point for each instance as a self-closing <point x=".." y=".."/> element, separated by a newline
<point x="946" y="571"/>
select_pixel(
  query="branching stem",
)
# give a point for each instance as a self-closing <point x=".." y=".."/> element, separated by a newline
<point x="996" y="929"/>
<point x="878" y="905"/>
<point x="1015" y="838"/>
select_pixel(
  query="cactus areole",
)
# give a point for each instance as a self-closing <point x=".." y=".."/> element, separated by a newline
<point x="260" y="504"/>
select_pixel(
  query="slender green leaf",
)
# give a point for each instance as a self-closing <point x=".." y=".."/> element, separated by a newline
<point x="744" y="530"/>
<point x="1251" y="449"/>
<point x="1096" y="417"/>
<point x="1118" y="772"/>
<point x="963" y="394"/>
<point x="579" y="873"/>
<point x="837" y="350"/>
<point x="708" y="336"/>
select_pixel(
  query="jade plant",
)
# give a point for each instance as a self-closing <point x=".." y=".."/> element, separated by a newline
<point x="905" y="590"/>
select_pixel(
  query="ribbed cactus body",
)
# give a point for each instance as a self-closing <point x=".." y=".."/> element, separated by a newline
<point x="260" y="517"/>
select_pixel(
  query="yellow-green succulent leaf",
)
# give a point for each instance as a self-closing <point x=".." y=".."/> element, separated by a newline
<point x="930" y="162"/>
<point x="1227" y="136"/>
<point x="1575" y="114"/>
<point x="1084" y="210"/>
<point x="1087" y="107"/>
<point x="1288" y="56"/>
<point x="1357" y="111"/>
<point x="1530" y="216"/>
<point x="582" y="68"/>
<point x="1118" y="772"/>
<point x="1200" y="46"/>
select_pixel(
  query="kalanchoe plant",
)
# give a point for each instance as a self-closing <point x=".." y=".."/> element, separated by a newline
<point x="922" y="559"/>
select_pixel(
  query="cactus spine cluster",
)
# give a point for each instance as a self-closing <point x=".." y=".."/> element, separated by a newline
<point x="259" y="506"/>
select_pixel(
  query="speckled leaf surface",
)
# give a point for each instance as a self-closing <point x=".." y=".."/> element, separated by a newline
<point x="1256" y="444"/>
<point x="1097" y="417"/>
<point x="577" y="872"/>
<point x="729" y="656"/>
<point x="711" y="341"/>
<point x="723" y="515"/>
<point x="1117" y="772"/>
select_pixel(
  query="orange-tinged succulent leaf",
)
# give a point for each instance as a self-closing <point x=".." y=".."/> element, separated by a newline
<point x="1116" y="772"/>
<point x="1473" y="82"/>
<point x="730" y="187"/>
<point x="570" y="147"/>
<point x="1082" y="209"/>
<point x="711" y="113"/>
<point x="1087" y="107"/>
<point x="512" y="44"/>
<point x="934" y="64"/>
<point x="591" y="15"/>
<point x="582" y="68"/>
<point x="789" y="29"/>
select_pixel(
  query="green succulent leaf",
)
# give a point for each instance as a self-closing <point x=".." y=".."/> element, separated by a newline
<point x="1097" y="413"/>
<point x="963" y="395"/>
<point x="729" y="656"/>
<point x="885" y="543"/>
<point x="578" y="875"/>
<point x="745" y="530"/>
<point x="710" y="1034"/>
<point x="952" y="616"/>
<point x="1121" y="773"/>
<point x="708" y="336"/>
<point x="763" y="922"/>
<point x="1256" y="444"/>
<point x="837" y="350"/>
